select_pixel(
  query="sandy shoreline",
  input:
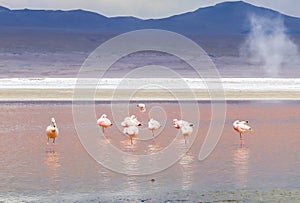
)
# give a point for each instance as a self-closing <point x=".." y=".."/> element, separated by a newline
<point x="221" y="196"/>
<point x="62" y="89"/>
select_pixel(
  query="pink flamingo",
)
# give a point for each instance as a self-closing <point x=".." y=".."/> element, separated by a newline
<point x="52" y="131"/>
<point x="104" y="122"/>
<point x="179" y="123"/>
<point x="241" y="127"/>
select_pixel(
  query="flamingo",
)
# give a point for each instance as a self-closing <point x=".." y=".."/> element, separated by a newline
<point x="52" y="131"/>
<point x="241" y="127"/>
<point x="142" y="107"/>
<point x="153" y="125"/>
<point x="131" y="131"/>
<point x="131" y="121"/>
<point x="104" y="122"/>
<point x="130" y="126"/>
<point x="184" y="126"/>
<point x="179" y="123"/>
<point x="186" y="130"/>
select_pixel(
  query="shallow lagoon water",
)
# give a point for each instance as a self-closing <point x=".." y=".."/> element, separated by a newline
<point x="31" y="170"/>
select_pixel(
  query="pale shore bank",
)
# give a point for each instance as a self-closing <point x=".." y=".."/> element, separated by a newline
<point x="164" y="89"/>
<point x="220" y="196"/>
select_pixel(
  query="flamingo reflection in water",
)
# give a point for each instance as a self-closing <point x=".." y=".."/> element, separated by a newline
<point x="241" y="166"/>
<point x="52" y="163"/>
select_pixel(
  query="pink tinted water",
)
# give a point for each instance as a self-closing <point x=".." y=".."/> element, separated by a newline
<point x="30" y="167"/>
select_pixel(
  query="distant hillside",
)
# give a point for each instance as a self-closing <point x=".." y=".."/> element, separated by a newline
<point x="223" y="18"/>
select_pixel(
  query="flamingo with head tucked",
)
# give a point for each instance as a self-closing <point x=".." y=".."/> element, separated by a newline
<point x="179" y="123"/>
<point x="241" y="127"/>
<point x="142" y="107"/>
<point x="130" y="127"/>
<point x="186" y="131"/>
<point x="131" y="131"/>
<point x="153" y="125"/>
<point x="104" y="122"/>
<point x="132" y="120"/>
<point x="52" y="131"/>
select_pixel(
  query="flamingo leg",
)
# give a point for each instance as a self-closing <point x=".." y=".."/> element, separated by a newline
<point x="53" y="140"/>
<point x="131" y="140"/>
<point x="242" y="144"/>
<point x="153" y="138"/>
<point x="184" y="139"/>
<point x="103" y="129"/>
<point x="48" y="141"/>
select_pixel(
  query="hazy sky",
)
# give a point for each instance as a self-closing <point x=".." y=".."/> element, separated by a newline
<point x="144" y="8"/>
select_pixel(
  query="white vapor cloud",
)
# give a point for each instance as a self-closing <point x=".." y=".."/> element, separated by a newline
<point x="268" y="46"/>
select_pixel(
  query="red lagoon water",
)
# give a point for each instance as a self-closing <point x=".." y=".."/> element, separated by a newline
<point x="31" y="168"/>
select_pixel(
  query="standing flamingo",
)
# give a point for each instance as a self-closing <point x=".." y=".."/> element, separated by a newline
<point x="153" y="125"/>
<point x="142" y="107"/>
<point x="52" y="131"/>
<point x="104" y="122"/>
<point x="130" y="126"/>
<point x="131" y="131"/>
<point x="241" y="127"/>
<point x="184" y="126"/>
<point x="186" y="130"/>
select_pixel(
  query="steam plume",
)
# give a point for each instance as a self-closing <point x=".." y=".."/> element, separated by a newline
<point x="269" y="46"/>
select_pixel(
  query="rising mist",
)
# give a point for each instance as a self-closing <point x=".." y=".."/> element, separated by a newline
<point x="268" y="46"/>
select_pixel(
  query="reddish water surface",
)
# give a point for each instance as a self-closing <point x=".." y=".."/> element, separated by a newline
<point x="32" y="170"/>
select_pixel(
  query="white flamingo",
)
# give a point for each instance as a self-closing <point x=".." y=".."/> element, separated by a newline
<point x="184" y="126"/>
<point x="130" y="121"/>
<point x="186" y="130"/>
<point x="142" y="107"/>
<point x="241" y="127"/>
<point x="131" y="131"/>
<point x="104" y="122"/>
<point x="52" y="131"/>
<point x="179" y="123"/>
<point x="153" y="125"/>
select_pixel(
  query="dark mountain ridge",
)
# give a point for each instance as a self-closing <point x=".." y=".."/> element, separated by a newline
<point x="223" y="18"/>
